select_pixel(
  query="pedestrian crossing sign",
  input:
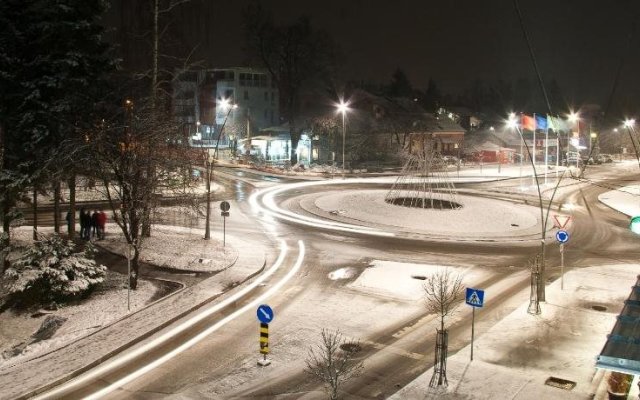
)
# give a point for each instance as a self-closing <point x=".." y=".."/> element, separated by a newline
<point x="474" y="297"/>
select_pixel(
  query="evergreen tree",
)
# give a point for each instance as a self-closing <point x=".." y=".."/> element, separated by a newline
<point x="400" y="85"/>
<point x="52" y="63"/>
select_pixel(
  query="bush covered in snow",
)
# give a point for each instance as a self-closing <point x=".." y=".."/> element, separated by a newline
<point x="51" y="271"/>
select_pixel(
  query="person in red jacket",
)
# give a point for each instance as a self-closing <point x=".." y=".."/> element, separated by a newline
<point x="102" y="222"/>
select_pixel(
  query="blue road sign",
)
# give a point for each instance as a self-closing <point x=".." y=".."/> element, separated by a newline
<point x="562" y="236"/>
<point x="265" y="314"/>
<point x="474" y="297"/>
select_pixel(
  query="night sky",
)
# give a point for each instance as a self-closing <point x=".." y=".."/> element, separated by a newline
<point x="579" y="43"/>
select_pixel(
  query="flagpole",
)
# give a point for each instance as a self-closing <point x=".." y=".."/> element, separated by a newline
<point x="557" y="151"/>
<point x="546" y="152"/>
<point x="534" y="140"/>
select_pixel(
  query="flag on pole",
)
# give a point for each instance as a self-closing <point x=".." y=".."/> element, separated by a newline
<point x="528" y="122"/>
<point x="541" y="122"/>
<point x="551" y="124"/>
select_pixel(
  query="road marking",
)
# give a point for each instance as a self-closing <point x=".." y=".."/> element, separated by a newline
<point x="107" y="366"/>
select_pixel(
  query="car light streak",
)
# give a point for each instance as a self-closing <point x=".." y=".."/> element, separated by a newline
<point x="105" y="367"/>
<point x="271" y="209"/>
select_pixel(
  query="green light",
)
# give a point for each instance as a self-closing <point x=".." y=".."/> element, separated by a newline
<point x="634" y="225"/>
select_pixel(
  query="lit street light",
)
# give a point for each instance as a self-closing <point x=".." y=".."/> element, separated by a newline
<point x="574" y="118"/>
<point x="225" y="105"/>
<point x="343" y="108"/>
<point x="630" y="123"/>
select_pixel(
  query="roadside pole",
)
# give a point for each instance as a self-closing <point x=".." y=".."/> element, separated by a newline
<point x="129" y="247"/>
<point x="224" y="206"/>
<point x="474" y="298"/>
<point x="561" y="266"/>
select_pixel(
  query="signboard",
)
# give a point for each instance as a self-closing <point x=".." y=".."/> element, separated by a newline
<point x="474" y="297"/>
<point x="264" y="339"/>
<point x="561" y="220"/>
<point x="562" y="236"/>
<point x="265" y="314"/>
<point x="224" y="206"/>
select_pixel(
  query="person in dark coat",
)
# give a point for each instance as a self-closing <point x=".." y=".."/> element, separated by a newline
<point x="94" y="224"/>
<point x="84" y="224"/>
<point x="68" y="219"/>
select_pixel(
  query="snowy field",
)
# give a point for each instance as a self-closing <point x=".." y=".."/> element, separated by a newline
<point x="404" y="281"/>
<point x="478" y="217"/>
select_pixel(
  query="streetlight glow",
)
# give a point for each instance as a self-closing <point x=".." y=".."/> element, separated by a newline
<point x="629" y="122"/>
<point x="343" y="107"/>
<point x="573" y="117"/>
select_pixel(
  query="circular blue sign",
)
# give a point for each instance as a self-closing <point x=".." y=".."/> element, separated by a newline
<point x="265" y="314"/>
<point x="562" y="236"/>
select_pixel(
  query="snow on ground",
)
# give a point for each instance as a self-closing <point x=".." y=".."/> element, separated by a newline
<point x="477" y="217"/>
<point x="175" y="247"/>
<point x="404" y="281"/>
<point x="626" y="200"/>
<point x="107" y="304"/>
<point x="515" y="357"/>
<point x="180" y="248"/>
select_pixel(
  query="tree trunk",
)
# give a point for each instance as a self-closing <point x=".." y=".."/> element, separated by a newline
<point x="35" y="213"/>
<point x="135" y="268"/>
<point x="56" y="207"/>
<point x="207" y="227"/>
<point x="72" y="207"/>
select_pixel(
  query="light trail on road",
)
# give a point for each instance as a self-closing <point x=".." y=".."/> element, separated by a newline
<point x="271" y="208"/>
<point x="120" y="361"/>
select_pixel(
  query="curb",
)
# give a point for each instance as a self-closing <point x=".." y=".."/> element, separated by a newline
<point x="136" y="340"/>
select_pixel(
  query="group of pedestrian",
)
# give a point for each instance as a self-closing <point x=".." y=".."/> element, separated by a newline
<point x="92" y="225"/>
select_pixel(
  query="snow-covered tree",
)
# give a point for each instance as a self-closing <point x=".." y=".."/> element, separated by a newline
<point x="52" y="63"/>
<point x="50" y="270"/>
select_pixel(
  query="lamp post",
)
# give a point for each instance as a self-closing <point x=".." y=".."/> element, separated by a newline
<point x="574" y="119"/>
<point x="538" y="279"/>
<point x="343" y="108"/>
<point x="225" y="105"/>
<point x="629" y="123"/>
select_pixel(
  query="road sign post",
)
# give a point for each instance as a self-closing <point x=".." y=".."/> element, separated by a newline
<point x="265" y="316"/>
<point x="224" y="206"/>
<point x="562" y="237"/>
<point x="561" y="266"/>
<point x="474" y="298"/>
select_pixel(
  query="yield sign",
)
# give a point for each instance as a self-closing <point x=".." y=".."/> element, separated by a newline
<point x="561" y="220"/>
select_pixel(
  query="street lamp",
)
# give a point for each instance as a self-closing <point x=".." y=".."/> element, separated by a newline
<point x="343" y="108"/>
<point x="574" y="118"/>
<point x="225" y="105"/>
<point x="629" y="123"/>
<point x="538" y="276"/>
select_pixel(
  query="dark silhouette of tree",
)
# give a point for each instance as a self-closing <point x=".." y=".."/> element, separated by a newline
<point x="432" y="97"/>
<point x="400" y="85"/>
<point x="298" y="57"/>
<point x="52" y="65"/>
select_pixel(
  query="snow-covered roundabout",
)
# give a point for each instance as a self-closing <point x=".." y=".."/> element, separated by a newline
<point x="363" y="209"/>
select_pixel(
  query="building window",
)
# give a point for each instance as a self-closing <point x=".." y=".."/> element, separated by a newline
<point x="246" y="95"/>
<point x="266" y="96"/>
<point x="273" y="97"/>
<point x="228" y="94"/>
<point x="271" y="111"/>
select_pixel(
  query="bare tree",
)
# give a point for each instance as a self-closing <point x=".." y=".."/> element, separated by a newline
<point x="332" y="362"/>
<point x="442" y="296"/>
<point x="122" y="157"/>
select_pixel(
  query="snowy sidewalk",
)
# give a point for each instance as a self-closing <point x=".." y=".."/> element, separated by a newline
<point x="69" y="361"/>
<point x="514" y="359"/>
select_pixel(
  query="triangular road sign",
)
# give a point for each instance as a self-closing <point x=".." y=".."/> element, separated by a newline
<point x="561" y="220"/>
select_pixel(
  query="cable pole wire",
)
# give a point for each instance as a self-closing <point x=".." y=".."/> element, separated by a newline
<point x="533" y="56"/>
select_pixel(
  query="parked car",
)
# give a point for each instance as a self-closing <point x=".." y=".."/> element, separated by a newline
<point x="605" y="158"/>
<point x="451" y="160"/>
